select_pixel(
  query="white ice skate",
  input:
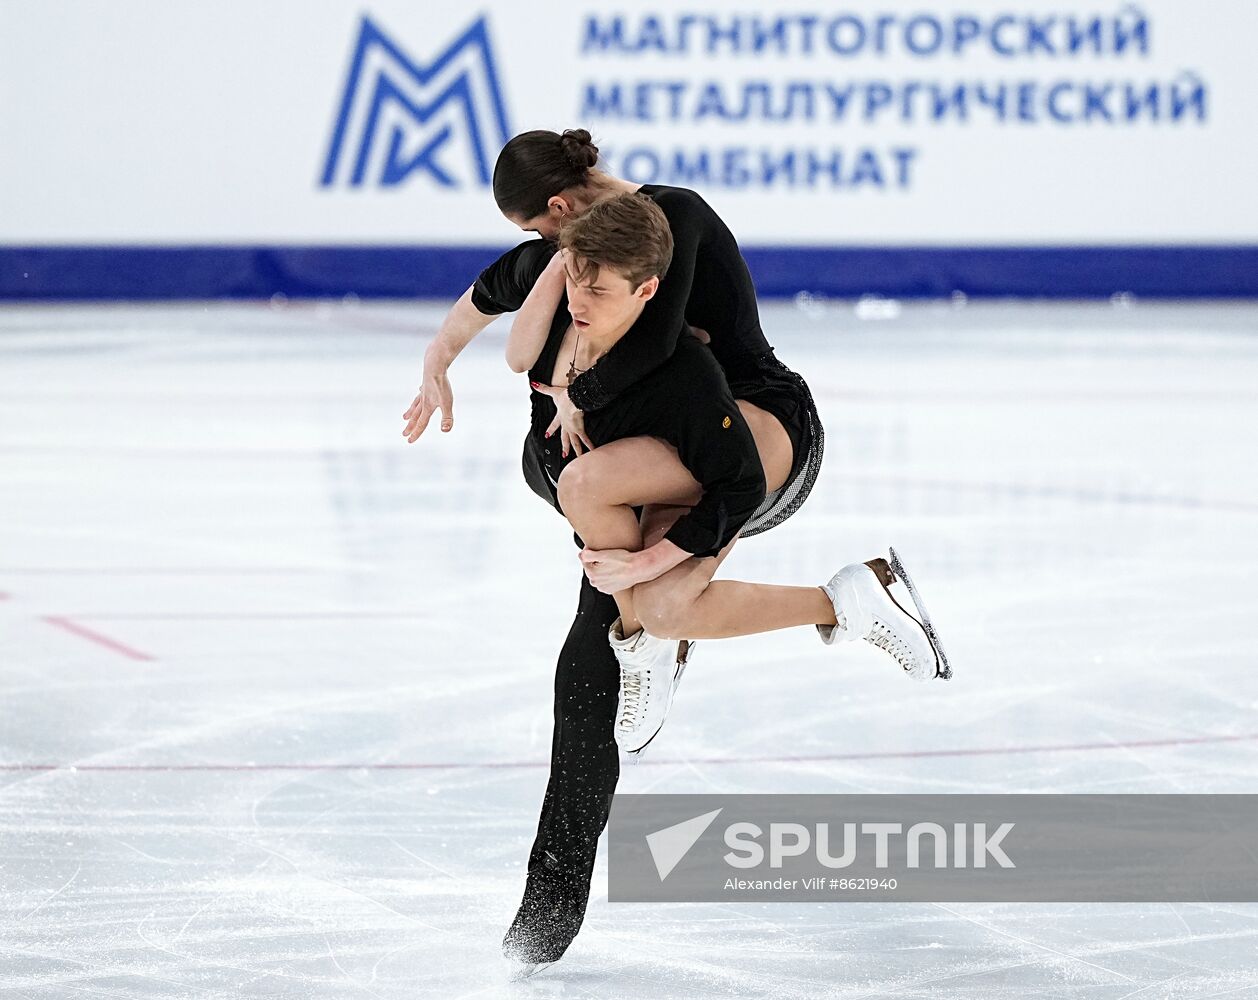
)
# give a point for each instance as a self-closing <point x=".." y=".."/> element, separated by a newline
<point x="650" y="670"/>
<point x="866" y="609"/>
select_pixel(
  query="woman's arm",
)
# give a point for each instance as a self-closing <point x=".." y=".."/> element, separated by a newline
<point x="533" y="321"/>
<point x="462" y="323"/>
<point x="504" y="285"/>
<point x="460" y="326"/>
<point x="500" y="288"/>
<point x="653" y="338"/>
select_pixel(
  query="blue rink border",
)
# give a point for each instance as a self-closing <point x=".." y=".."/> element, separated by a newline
<point x="252" y="272"/>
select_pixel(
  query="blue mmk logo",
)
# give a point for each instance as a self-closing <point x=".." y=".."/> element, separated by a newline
<point x="399" y="118"/>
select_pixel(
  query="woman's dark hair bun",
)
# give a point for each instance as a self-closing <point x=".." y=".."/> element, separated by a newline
<point x="534" y="166"/>
<point x="578" y="149"/>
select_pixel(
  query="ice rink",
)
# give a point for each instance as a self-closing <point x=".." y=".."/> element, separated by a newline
<point x="275" y="686"/>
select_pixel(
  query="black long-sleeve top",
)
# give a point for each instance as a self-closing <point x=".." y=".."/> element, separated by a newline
<point x="707" y="285"/>
<point x="687" y="402"/>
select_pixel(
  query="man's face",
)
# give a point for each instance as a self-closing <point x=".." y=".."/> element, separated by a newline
<point x="601" y="300"/>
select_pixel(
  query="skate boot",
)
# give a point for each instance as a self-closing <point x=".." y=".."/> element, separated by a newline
<point x="650" y="670"/>
<point x="866" y="609"/>
<point x="547" y="921"/>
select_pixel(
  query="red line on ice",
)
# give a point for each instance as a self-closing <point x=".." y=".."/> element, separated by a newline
<point x="233" y="616"/>
<point x="818" y="758"/>
<point x="157" y="570"/>
<point x="92" y="636"/>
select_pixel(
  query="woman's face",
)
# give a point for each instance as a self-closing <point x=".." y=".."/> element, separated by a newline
<point x="603" y="301"/>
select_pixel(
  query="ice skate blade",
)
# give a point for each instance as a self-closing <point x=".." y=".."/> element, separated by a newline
<point x="523" y="970"/>
<point x="683" y="661"/>
<point x="897" y="567"/>
<point x="635" y="756"/>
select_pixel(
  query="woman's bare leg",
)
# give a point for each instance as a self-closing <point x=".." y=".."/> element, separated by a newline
<point x="686" y="603"/>
<point x="597" y="490"/>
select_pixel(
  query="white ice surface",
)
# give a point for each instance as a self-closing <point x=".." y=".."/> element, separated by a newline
<point x="288" y="678"/>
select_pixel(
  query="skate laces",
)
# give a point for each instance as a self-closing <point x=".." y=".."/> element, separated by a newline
<point x="886" y="639"/>
<point x="631" y="695"/>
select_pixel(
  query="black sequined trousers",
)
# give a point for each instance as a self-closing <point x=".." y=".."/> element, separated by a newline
<point x="584" y="769"/>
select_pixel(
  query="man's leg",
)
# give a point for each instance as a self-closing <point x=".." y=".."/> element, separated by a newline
<point x="584" y="768"/>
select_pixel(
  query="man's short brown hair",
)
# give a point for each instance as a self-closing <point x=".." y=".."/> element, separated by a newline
<point x="627" y="233"/>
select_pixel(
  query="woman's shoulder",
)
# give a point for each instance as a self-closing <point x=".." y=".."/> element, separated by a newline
<point x="667" y="194"/>
<point x="532" y="255"/>
<point x="684" y="207"/>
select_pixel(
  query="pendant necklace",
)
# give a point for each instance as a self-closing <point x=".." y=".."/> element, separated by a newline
<point x="573" y="370"/>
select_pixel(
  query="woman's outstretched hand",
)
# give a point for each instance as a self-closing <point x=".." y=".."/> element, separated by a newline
<point x="434" y="394"/>
<point x="569" y="421"/>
